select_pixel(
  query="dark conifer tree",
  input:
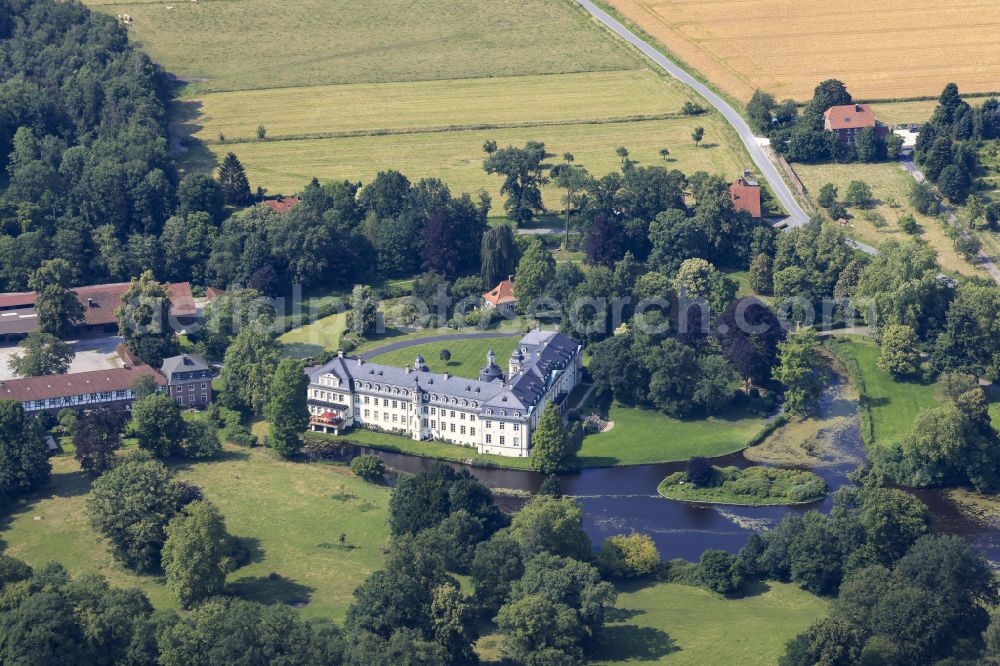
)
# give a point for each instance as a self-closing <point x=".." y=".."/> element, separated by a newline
<point x="233" y="181"/>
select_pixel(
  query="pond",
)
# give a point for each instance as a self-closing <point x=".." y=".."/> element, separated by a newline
<point x="623" y="499"/>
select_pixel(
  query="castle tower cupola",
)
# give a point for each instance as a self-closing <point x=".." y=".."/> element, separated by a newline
<point x="419" y="365"/>
<point x="491" y="370"/>
<point x="516" y="363"/>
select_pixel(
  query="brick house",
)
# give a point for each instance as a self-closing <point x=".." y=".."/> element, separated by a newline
<point x="189" y="380"/>
<point x="745" y="195"/>
<point x="849" y="119"/>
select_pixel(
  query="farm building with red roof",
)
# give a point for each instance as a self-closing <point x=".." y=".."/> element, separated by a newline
<point x="745" y="195"/>
<point x="847" y="120"/>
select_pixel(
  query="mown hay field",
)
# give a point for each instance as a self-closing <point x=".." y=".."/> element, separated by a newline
<point x="885" y="49"/>
<point x="409" y="106"/>
<point x="888" y="181"/>
<point x="456" y="157"/>
<point x="235" y="45"/>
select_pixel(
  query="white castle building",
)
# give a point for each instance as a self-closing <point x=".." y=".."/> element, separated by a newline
<point x="496" y="413"/>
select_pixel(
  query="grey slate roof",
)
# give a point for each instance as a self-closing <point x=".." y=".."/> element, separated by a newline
<point x="182" y="363"/>
<point x="546" y="352"/>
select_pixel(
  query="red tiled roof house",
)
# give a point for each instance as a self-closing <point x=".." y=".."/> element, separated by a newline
<point x="745" y="195"/>
<point x="501" y="297"/>
<point x="848" y="119"/>
<point x="282" y="205"/>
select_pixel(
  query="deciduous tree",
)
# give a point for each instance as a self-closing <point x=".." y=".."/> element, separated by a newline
<point x="24" y="464"/>
<point x="286" y="411"/>
<point x="59" y="309"/>
<point x="196" y="553"/>
<point x="248" y="366"/>
<point x="44" y="354"/>
<point x="131" y="504"/>
<point x="96" y="438"/>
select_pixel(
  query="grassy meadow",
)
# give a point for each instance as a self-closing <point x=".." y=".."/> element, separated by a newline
<point x="888" y="181"/>
<point x="886" y="50"/>
<point x="892" y="405"/>
<point x="421" y="106"/>
<point x="347" y="90"/>
<point x="456" y="157"/>
<point x="669" y="623"/>
<point x="254" y="44"/>
<point x="291" y="514"/>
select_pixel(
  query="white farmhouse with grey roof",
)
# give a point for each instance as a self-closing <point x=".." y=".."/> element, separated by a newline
<point x="496" y="413"/>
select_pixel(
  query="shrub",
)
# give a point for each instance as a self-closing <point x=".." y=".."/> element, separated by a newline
<point x="628" y="556"/>
<point x="876" y="218"/>
<point x="369" y="468"/>
<point x="908" y="224"/>
<point x="753" y="481"/>
<point x="923" y="199"/>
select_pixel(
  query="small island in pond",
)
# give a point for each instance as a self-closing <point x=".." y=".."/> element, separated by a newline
<point x="753" y="486"/>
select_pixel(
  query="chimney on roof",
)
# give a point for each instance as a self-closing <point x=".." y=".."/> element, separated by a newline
<point x="187" y="360"/>
<point x="361" y="360"/>
<point x="90" y="302"/>
<point x="857" y="107"/>
<point x="340" y="353"/>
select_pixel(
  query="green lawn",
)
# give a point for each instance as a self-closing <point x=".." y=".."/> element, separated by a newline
<point x="642" y="436"/>
<point x="292" y="513"/>
<point x="439" y="450"/>
<point x="891" y="405"/>
<point x="309" y="340"/>
<point x="669" y="623"/>
<point x="467" y="356"/>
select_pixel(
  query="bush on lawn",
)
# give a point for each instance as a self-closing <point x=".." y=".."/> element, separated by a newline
<point x="369" y="468"/>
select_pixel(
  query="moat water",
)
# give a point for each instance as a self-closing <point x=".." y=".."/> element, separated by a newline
<point x="624" y="499"/>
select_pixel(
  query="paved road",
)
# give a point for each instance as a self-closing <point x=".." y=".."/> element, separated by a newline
<point x="403" y="344"/>
<point x="797" y="216"/>
<point x="984" y="258"/>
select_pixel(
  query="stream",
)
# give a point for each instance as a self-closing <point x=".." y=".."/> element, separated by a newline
<point x="624" y="499"/>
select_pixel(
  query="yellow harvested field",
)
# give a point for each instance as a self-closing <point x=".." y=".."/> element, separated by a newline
<point x="457" y="157"/>
<point x="887" y="181"/>
<point x="880" y="48"/>
<point x="407" y="106"/>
